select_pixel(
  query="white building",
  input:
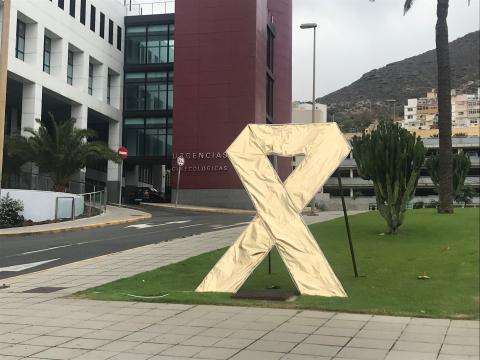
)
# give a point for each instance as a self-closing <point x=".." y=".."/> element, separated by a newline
<point x="422" y="113"/>
<point x="302" y="114"/>
<point x="66" y="57"/>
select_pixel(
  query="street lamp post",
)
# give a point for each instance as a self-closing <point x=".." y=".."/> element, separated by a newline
<point x="394" y="104"/>
<point x="314" y="27"/>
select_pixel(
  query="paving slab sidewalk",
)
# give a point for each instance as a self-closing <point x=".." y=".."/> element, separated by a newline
<point x="49" y="326"/>
<point x="113" y="216"/>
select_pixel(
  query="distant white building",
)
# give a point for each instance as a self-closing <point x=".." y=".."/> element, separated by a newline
<point x="422" y="113"/>
<point x="302" y="113"/>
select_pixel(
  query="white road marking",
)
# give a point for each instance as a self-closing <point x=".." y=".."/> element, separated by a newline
<point x="217" y="227"/>
<point x="42" y="250"/>
<point x="17" y="268"/>
<point x="146" y="226"/>
<point x="189" y="226"/>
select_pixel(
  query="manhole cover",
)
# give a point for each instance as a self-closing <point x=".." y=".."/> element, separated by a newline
<point x="44" y="290"/>
<point x="271" y="294"/>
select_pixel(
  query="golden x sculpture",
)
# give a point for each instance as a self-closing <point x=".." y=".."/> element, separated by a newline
<point x="278" y="221"/>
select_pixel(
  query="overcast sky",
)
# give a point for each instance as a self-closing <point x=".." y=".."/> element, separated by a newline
<point x="356" y="36"/>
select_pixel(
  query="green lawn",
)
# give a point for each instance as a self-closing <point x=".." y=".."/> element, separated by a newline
<point x="444" y="247"/>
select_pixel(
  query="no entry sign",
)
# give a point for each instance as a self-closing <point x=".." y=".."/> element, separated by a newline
<point x="122" y="152"/>
<point x="180" y="161"/>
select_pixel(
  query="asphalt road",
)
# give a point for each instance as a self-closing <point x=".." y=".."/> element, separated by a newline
<point x="29" y="253"/>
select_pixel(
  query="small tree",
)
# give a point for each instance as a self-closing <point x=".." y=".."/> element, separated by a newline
<point x="60" y="149"/>
<point x="10" y="212"/>
<point x="391" y="157"/>
<point x="461" y="167"/>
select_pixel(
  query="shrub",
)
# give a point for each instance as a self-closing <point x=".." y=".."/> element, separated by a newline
<point x="9" y="212"/>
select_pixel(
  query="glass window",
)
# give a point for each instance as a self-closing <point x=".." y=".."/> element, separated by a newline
<point x="119" y="38"/>
<point x="109" y="88"/>
<point x="102" y="25"/>
<point x="93" y="12"/>
<point x="72" y="8"/>
<point x="83" y="10"/>
<point x="136" y="44"/>
<point x="148" y="137"/>
<point x="135" y="91"/>
<point x="70" y="68"/>
<point x="47" y="51"/>
<point x="110" y="32"/>
<point x="134" y="136"/>
<point x="20" y="43"/>
<point x="152" y="45"/>
<point x="157" y="45"/>
<point x="90" y="78"/>
<point x="61" y="4"/>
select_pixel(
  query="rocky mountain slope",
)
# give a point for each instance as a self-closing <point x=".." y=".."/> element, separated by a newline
<point x="409" y="78"/>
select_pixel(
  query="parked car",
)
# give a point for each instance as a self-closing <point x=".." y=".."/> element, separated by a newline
<point x="136" y="195"/>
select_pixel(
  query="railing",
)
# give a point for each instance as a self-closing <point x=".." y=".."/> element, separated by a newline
<point x="34" y="181"/>
<point x="81" y="205"/>
<point x="152" y="8"/>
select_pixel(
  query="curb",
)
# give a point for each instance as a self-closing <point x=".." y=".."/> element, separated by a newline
<point x="203" y="209"/>
<point x="81" y="227"/>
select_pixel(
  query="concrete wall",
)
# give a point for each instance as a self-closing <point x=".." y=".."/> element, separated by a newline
<point x="41" y="205"/>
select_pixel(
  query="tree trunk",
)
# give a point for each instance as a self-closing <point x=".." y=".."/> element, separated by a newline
<point x="444" y="111"/>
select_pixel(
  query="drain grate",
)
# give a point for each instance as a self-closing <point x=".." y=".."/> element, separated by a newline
<point x="44" y="290"/>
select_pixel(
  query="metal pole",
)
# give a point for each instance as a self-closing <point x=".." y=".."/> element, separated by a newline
<point x="178" y="185"/>
<point x="121" y="182"/>
<point x="3" y="78"/>
<point x="312" y="203"/>
<point x="347" y="225"/>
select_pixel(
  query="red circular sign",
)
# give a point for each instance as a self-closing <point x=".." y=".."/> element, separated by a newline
<point x="122" y="152"/>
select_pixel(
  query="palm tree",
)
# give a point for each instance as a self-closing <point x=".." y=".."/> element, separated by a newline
<point x="445" y="168"/>
<point x="60" y="150"/>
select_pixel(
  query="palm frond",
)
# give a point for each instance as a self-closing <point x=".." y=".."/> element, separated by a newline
<point x="407" y="6"/>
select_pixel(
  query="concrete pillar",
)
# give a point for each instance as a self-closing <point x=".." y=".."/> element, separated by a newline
<point x="80" y="114"/>
<point x="80" y="71"/>
<point x="351" y="193"/>
<point x="116" y="90"/>
<point x="34" y="38"/>
<point x="113" y="169"/>
<point x="100" y="81"/>
<point x="59" y="59"/>
<point x="351" y="173"/>
<point x="31" y="106"/>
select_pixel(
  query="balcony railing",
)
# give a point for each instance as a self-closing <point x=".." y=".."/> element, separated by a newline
<point x="149" y="8"/>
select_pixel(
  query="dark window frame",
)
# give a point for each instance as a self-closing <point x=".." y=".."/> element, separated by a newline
<point x="102" y="25"/>
<point x="109" y="88"/>
<point x="70" y="61"/>
<point x="119" y="38"/>
<point x="93" y="17"/>
<point x="170" y="45"/>
<point x="20" y="53"/>
<point x="143" y="105"/>
<point x="72" y="9"/>
<point x="140" y="134"/>
<point x="47" y="54"/>
<point x="83" y="11"/>
<point x="110" y="31"/>
<point x="90" y="78"/>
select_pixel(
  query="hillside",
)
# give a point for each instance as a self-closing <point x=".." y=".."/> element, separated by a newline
<point x="409" y="78"/>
